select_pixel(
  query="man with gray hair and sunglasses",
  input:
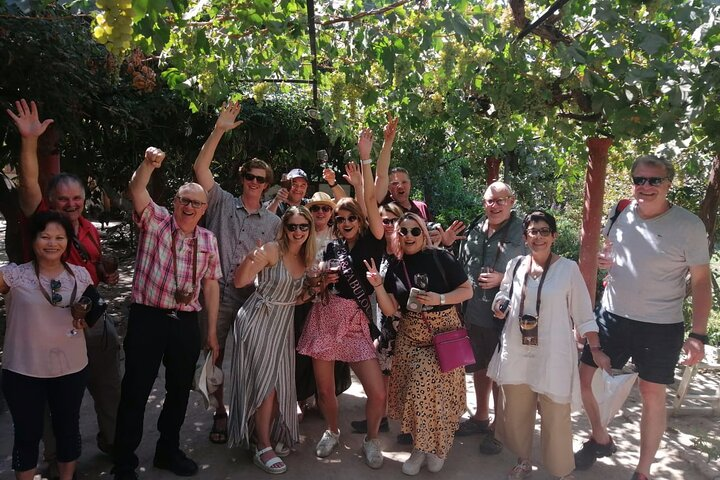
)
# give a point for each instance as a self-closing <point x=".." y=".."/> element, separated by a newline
<point x="652" y="246"/>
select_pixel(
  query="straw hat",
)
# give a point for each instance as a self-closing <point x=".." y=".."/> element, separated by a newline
<point x="321" y="198"/>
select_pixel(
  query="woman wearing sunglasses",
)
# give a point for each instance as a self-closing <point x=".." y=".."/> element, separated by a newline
<point x="262" y="386"/>
<point x="44" y="357"/>
<point x="543" y="296"/>
<point x="338" y="329"/>
<point x="428" y="403"/>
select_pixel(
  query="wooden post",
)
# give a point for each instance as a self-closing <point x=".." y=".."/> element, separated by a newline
<point x="493" y="169"/>
<point x="592" y="210"/>
<point x="709" y="206"/>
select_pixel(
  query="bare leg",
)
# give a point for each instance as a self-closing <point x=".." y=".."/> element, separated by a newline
<point x="67" y="469"/>
<point x="369" y="374"/>
<point x="599" y="432"/>
<point x="483" y="388"/>
<point x="264" y="417"/>
<point x="652" y="424"/>
<point x="26" y="475"/>
<point x="327" y="401"/>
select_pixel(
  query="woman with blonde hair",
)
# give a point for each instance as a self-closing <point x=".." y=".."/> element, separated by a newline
<point x="262" y="391"/>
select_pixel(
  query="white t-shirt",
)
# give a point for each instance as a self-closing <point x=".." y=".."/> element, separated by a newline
<point x="37" y="343"/>
<point x="651" y="260"/>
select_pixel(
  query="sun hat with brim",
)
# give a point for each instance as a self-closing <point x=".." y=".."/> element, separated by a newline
<point x="321" y="198"/>
<point x="208" y="378"/>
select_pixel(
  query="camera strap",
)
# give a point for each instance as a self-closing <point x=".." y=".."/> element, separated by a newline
<point x="523" y="292"/>
<point x="194" y="241"/>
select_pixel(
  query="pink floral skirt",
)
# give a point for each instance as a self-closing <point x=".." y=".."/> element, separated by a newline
<point x="337" y="331"/>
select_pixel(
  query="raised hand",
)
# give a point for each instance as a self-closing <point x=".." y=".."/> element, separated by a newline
<point x="452" y="234"/>
<point x="390" y="128"/>
<point x="353" y="175"/>
<point x="372" y="274"/>
<point x="154" y="157"/>
<point x="228" y="114"/>
<point x="365" y="143"/>
<point x="329" y="175"/>
<point x="27" y="119"/>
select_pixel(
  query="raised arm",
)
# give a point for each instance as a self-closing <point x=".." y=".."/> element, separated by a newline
<point x="383" y="164"/>
<point x="137" y="188"/>
<point x="225" y="122"/>
<point x="373" y="214"/>
<point x="353" y="175"/>
<point x="337" y="190"/>
<point x="268" y="254"/>
<point x="30" y="127"/>
<point x="386" y="301"/>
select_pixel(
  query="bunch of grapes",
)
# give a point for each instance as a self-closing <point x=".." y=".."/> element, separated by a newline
<point x="113" y="26"/>
<point x="259" y="91"/>
<point x="143" y="77"/>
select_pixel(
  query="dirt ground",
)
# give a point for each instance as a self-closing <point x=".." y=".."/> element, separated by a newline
<point x="683" y="455"/>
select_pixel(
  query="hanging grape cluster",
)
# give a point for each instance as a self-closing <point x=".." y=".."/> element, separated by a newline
<point x="113" y="26"/>
<point x="143" y="77"/>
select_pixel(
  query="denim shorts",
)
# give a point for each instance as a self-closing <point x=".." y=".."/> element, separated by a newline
<point x="654" y="348"/>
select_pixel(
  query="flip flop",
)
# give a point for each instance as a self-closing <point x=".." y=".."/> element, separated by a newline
<point x="218" y="435"/>
<point x="274" y="465"/>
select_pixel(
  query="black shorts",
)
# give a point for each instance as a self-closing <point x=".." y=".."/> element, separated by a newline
<point x="484" y="342"/>
<point x="655" y="348"/>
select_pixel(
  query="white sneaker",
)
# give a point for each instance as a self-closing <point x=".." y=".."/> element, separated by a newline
<point x="412" y="465"/>
<point x="327" y="443"/>
<point x="520" y="471"/>
<point x="434" y="463"/>
<point x="372" y="452"/>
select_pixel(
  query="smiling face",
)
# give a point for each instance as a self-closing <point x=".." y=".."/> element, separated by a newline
<point x="297" y="191"/>
<point x="297" y="222"/>
<point x="413" y="241"/>
<point x="498" y="201"/>
<point x="254" y="188"/>
<point x="388" y="219"/>
<point x="400" y="187"/>
<point x="188" y="216"/>
<point x="50" y="243"/>
<point x="68" y="198"/>
<point x="321" y="216"/>
<point x="348" y="224"/>
<point x="649" y="196"/>
<point x="539" y="237"/>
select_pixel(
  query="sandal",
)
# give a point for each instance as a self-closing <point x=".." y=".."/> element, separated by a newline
<point x="219" y="435"/>
<point x="273" y="465"/>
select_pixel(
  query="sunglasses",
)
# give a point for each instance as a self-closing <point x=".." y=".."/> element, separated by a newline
<point x="291" y="227"/>
<point x="501" y="202"/>
<point x="187" y="201"/>
<point x="653" y="181"/>
<point x="534" y="232"/>
<point x="324" y="208"/>
<point x="415" y="231"/>
<point x="389" y="221"/>
<point x="350" y="219"/>
<point x="250" y="177"/>
<point x="55" y="298"/>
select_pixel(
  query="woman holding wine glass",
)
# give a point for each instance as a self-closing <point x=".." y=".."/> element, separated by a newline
<point x="44" y="360"/>
<point x="262" y="387"/>
<point x="428" y="402"/>
<point x="339" y="329"/>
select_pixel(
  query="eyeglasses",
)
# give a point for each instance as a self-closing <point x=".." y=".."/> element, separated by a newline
<point x="250" y="177"/>
<point x="55" y="297"/>
<point x="340" y="220"/>
<point x="389" y="221"/>
<point x="653" y="181"/>
<point x="188" y="201"/>
<point x="500" y="202"/>
<point x="324" y="208"/>
<point x="534" y="232"/>
<point x="415" y="232"/>
<point x="291" y="227"/>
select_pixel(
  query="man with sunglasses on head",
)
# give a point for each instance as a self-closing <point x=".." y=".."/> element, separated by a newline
<point x="240" y="224"/>
<point x="175" y="260"/>
<point x="493" y="239"/>
<point x="66" y="195"/>
<point x="655" y="245"/>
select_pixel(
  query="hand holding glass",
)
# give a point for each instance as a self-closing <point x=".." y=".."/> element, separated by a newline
<point x="332" y="266"/>
<point x="79" y="310"/>
<point x="314" y="279"/>
<point x="484" y="270"/>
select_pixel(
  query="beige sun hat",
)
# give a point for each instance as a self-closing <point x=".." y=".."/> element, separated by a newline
<point x="208" y="378"/>
<point x="321" y="198"/>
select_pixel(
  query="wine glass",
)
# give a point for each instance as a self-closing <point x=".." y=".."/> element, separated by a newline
<point x="285" y="182"/>
<point x="484" y="269"/>
<point x="323" y="159"/>
<point x="333" y="266"/>
<point x="421" y="281"/>
<point x="314" y="279"/>
<point x="79" y="310"/>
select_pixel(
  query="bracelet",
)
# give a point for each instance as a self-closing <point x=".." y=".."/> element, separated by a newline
<point x="702" y="338"/>
<point x="366" y="162"/>
<point x="333" y="185"/>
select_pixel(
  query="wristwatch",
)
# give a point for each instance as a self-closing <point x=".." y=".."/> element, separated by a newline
<point x="442" y="299"/>
<point x="703" y="338"/>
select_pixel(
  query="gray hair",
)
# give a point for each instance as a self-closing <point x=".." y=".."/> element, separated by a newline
<point x="63" y="179"/>
<point x="655" y="161"/>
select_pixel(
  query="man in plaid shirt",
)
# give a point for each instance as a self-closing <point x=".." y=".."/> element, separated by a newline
<point x="175" y="258"/>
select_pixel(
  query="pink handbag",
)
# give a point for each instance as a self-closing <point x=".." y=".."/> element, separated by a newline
<point x="453" y="349"/>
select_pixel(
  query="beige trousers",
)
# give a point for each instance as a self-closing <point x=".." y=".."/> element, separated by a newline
<point x="517" y="424"/>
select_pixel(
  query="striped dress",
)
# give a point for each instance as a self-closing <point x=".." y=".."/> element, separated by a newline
<point x="264" y="358"/>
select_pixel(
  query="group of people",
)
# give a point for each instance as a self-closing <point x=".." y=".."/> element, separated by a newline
<point x="309" y="286"/>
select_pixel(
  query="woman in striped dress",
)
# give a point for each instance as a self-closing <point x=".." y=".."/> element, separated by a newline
<point x="262" y="387"/>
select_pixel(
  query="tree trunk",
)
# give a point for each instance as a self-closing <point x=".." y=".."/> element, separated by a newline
<point x="493" y="169"/>
<point x="709" y="206"/>
<point x="592" y="210"/>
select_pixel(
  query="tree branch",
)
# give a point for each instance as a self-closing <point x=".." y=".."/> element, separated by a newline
<point x="547" y="32"/>
<point x="593" y="117"/>
<point x="551" y="10"/>
<point x="358" y="16"/>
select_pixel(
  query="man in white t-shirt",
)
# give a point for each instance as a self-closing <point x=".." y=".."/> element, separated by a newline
<point x="654" y="246"/>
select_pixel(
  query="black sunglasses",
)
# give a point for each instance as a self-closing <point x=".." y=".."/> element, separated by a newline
<point x="250" y="177"/>
<point x="291" y="227"/>
<point x="55" y="298"/>
<point x="187" y="201"/>
<point x="389" y="221"/>
<point x="415" y="231"/>
<point x="324" y="208"/>
<point x="340" y="220"/>
<point x="653" y="181"/>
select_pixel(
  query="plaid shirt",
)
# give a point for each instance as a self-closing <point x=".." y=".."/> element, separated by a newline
<point x="154" y="282"/>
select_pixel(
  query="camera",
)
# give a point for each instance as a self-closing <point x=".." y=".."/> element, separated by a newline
<point x="433" y="226"/>
<point x="504" y="306"/>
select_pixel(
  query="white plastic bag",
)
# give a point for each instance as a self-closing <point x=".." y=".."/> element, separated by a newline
<point x="611" y="391"/>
